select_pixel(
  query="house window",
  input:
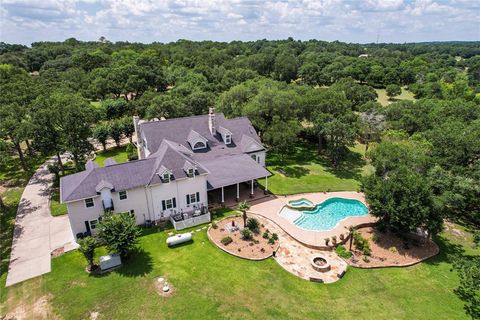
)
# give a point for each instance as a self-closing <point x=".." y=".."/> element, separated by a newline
<point x="89" y="203"/>
<point x="166" y="177"/>
<point x="191" y="172"/>
<point x="254" y="157"/>
<point x="228" y="139"/>
<point x="169" y="204"/>
<point x="199" y="145"/>
<point x="93" y="224"/>
<point x="122" y="195"/>
<point x="193" y="198"/>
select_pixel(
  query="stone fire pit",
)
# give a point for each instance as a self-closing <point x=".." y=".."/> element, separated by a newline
<point x="320" y="263"/>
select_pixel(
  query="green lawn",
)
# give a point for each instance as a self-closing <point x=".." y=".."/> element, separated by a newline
<point x="11" y="197"/>
<point x="57" y="208"/>
<point x="210" y="284"/>
<point x="383" y="98"/>
<point x="118" y="153"/>
<point x="305" y="171"/>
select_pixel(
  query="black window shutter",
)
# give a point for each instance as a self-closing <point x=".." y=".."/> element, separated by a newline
<point x="198" y="196"/>
<point x="163" y="205"/>
<point x="188" y="199"/>
<point x="87" y="226"/>
<point x="174" y="202"/>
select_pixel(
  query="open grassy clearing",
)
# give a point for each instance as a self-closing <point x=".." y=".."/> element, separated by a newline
<point x="304" y="170"/>
<point x="117" y="153"/>
<point x="212" y="284"/>
<point x="383" y="98"/>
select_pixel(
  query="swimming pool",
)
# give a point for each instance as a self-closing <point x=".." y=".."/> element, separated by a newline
<point x="326" y="215"/>
<point x="302" y="202"/>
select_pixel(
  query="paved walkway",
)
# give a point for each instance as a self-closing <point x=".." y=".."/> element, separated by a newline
<point x="36" y="232"/>
<point x="297" y="258"/>
<point x="270" y="208"/>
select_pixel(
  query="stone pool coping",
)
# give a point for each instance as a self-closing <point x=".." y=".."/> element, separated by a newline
<point x="316" y="239"/>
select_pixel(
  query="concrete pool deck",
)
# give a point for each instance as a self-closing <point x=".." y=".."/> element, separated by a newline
<point x="270" y="209"/>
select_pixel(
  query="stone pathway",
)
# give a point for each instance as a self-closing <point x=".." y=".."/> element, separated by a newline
<point x="36" y="232"/>
<point x="296" y="258"/>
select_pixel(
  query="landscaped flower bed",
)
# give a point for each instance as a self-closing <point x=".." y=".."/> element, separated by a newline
<point x="387" y="249"/>
<point x="230" y="235"/>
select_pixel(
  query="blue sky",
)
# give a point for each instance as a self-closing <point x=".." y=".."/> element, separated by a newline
<point x="168" y="20"/>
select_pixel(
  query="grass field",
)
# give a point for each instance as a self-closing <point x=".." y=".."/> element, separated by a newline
<point x="383" y="98"/>
<point x="117" y="153"/>
<point x="57" y="208"/>
<point x="305" y="171"/>
<point x="210" y="284"/>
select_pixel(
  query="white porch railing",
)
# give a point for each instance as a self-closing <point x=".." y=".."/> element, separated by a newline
<point x="190" y="219"/>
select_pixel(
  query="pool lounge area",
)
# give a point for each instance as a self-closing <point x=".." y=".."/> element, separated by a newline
<point x="306" y="226"/>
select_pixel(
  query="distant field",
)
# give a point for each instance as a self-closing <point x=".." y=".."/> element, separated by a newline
<point x="383" y="98"/>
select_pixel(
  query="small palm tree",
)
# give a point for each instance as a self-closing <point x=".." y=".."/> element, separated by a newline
<point x="352" y="233"/>
<point x="327" y="240"/>
<point x="244" y="206"/>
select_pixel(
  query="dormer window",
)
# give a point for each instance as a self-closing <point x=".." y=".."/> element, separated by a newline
<point x="165" y="174"/>
<point x="191" y="172"/>
<point x="196" y="140"/>
<point x="199" y="145"/>
<point x="166" y="177"/>
<point x="226" y="135"/>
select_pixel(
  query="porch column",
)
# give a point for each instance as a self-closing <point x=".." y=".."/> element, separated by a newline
<point x="238" y="192"/>
<point x="266" y="184"/>
<point x="251" y="192"/>
<point x="223" y="198"/>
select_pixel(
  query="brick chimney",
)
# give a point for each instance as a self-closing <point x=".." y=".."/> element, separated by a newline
<point x="211" y="120"/>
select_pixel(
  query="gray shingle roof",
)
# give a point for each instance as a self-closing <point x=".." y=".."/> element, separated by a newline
<point x="177" y="130"/>
<point x="168" y="141"/>
<point x="129" y="175"/>
<point x="228" y="170"/>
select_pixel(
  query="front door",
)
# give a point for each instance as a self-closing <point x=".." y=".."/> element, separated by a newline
<point x="87" y="226"/>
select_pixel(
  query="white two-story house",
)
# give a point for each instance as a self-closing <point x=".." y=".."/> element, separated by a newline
<point x="180" y="161"/>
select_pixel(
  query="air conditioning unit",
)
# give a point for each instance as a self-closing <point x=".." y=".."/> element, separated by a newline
<point x="110" y="262"/>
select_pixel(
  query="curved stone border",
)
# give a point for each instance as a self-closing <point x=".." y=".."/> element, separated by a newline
<point x="234" y="253"/>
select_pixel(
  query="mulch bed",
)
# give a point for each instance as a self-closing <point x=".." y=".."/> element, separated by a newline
<point x="247" y="249"/>
<point x="391" y="250"/>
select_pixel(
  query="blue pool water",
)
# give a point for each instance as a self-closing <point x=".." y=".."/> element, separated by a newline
<point x="327" y="214"/>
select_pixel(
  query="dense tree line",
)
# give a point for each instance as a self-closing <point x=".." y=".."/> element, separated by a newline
<point x="426" y="154"/>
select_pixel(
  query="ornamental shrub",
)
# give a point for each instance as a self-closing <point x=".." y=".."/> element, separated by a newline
<point x="226" y="240"/>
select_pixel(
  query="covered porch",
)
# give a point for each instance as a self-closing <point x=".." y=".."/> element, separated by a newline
<point x="234" y="178"/>
<point x="231" y="195"/>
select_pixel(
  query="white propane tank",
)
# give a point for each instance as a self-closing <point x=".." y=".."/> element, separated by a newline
<point x="179" y="238"/>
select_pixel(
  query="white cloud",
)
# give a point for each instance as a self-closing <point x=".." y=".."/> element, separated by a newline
<point x="168" y="20"/>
